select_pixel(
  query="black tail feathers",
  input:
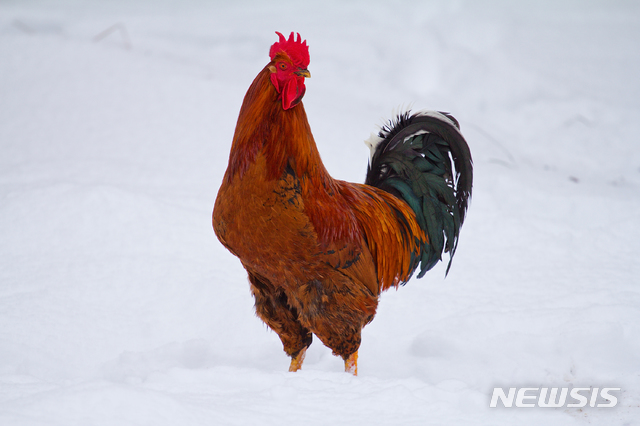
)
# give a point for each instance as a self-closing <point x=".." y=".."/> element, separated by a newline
<point x="424" y="160"/>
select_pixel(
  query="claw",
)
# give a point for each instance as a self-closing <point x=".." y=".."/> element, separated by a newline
<point x="296" y="362"/>
<point x="351" y="364"/>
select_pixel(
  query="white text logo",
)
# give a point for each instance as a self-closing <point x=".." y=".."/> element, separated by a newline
<point x="555" y="397"/>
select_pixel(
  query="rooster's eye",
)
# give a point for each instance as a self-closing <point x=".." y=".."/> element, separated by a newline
<point x="283" y="66"/>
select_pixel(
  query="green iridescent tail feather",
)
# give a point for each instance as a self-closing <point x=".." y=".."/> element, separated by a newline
<point x="424" y="160"/>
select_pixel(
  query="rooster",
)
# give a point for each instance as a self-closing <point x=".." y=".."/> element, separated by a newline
<point x="319" y="251"/>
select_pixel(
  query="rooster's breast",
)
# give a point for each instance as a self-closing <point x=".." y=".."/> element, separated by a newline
<point x="263" y="223"/>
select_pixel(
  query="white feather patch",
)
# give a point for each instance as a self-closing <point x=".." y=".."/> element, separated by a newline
<point x="373" y="142"/>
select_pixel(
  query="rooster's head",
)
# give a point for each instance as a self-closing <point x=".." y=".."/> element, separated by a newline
<point x="289" y="62"/>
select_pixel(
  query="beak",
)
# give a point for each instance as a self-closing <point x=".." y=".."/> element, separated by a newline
<point x="303" y="73"/>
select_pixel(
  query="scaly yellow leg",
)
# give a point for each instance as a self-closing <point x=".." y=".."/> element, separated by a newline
<point x="296" y="362"/>
<point x="351" y="364"/>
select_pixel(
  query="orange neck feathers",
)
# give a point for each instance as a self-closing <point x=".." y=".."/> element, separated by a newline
<point x="283" y="136"/>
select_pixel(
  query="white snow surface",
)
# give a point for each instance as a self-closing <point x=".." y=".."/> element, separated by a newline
<point x="118" y="305"/>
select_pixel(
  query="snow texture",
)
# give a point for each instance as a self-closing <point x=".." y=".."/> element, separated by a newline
<point x="118" y="306"/>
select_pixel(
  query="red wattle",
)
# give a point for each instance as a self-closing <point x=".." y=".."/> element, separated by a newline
<point x="292" y="92"/>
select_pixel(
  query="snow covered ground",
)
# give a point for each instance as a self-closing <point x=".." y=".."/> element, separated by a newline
<point x="118" y="306"/>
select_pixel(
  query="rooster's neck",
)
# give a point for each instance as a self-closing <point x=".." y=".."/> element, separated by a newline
<point x="283" y="137"/>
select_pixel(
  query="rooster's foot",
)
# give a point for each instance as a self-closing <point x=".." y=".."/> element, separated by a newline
<point x="296" y="361"/>
<point x="351" y="364"/>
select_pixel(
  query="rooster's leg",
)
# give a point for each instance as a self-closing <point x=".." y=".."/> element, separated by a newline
<point x="296" y="361"/>
<point x="273" y="308"/>
<point x="335" y="310"/>
<point x="351" y="364"/>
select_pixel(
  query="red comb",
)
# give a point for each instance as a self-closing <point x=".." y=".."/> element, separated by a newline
<point x="297" y="50"/>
